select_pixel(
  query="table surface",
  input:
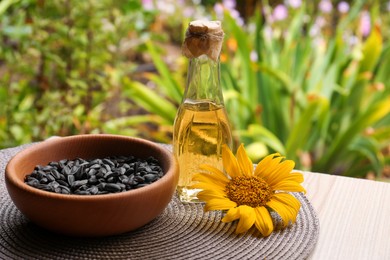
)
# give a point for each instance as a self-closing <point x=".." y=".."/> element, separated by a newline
<point x="354" y="216"/>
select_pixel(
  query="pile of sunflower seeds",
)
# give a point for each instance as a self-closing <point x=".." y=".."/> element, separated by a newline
<point x="96" y="176"/>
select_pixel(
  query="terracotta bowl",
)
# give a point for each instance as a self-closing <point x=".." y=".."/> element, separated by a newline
<point x="90" y="215"/>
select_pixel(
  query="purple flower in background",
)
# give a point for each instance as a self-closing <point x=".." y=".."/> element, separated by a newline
<point x="166" y="7"/>
<point x="189" y="11"/>
<point x="320" y="21"/>
<point x="353" y="40"/>
<point x="218" y="9"/>
<point x="314" y="31"/>
<point x="343" y="7"/>
<point x="253" y="56"/>
<point x="325" y="6"/>
<point x="280" y="13"/>
<point x="365" y="23"/>
<point x="181" y="2"/>
<point x="148" y="5"/>
<point x="229" y="4"/>
<point x="294" y="3"/>
<point x="236" y="15"/>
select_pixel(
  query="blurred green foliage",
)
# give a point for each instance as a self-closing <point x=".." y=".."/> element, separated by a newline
<point x="317" y="93"/>
<point x="311" y="85"/>
<point x="61" y="65"/>
<point x="320" y="99"/>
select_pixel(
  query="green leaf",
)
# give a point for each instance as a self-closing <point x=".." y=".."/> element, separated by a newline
<point x="256" y="151"/>
<point x="384" y="68"/>
<point x="26" y="103"/>
<point x="248" y="84"/>
<point x="167" y="81"/>
<point x="79" y="111"/>
<point x="382" y="134"/>
<point x="259" y="133"/>
<point x="278" y="75"/>
<point x="370" y="149"/>
<point x="372" y="49"/>
<point x="5" y="4"/>
<point x="300" y="131"/>
<point x="125" y="124"/>
<point x="17" y="132"/>
<point x="150" y="100"/>
<point x="338" y="147"/>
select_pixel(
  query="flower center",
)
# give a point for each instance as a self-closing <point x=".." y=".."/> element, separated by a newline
<point x="251" y="191"/>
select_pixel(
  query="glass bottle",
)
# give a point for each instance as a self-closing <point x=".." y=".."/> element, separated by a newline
<point x="201" y="125"/>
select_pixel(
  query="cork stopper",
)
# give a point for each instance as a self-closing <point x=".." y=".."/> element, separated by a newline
<point x="203" y="37"/>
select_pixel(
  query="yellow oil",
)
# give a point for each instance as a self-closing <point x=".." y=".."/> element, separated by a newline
<point x="201" y="128"/>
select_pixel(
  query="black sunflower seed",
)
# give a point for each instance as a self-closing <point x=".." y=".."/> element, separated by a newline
<point x="95" y="176"/>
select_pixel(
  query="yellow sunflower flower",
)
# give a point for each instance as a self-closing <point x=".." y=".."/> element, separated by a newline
<point x="249" y="194"/>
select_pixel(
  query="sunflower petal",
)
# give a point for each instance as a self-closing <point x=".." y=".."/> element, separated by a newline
<point x="264" y="221"/>
<point x="230" y="163"/>
<point x="210" y="178"/>
<point x="214" y="192"/>
<point x="288" y="186"/>
<point x="286" y="205"/>
<point x="231" y="215"/>
<point x="282" y="171"/>
<point x="247" y="219"/>
<point x="269" y="164"/>
<point x="245" y="164"/>
<point x="207" y="186"/>
<point x="206" y="195"/>
<point x="219" y="204"/>
<point x="295" y="176"/>
<point x="214" y="171"/>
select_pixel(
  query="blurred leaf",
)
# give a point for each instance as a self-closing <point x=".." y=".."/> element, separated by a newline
<point x="5" y="4"/>
<point x="17" y="31"/>
<point x="279" y="75"/>
<point x="338" y="146"/>
<point x="247" y="86"/>
<point x="77" y="83"/>
<point x="3" y="95"/>
<point x="372" y="49"/>
<point x="384" y="68"/>
<point x="382" y="134"/>
<point x="150" y="100"/>
<point x="128" y="124"/>
<point x="170" y="87"/>
<point x="260" y="134"/>
<point x="26" y="103"/>
<point x="300" y="131"/>
<point x="256" y="151"/>
<point x="370" y="149"/>
<point x="17" y="132"/>
<point x="79" y="111"/>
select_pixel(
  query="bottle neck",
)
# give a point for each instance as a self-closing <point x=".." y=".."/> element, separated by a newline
<point x="203" y="81"/>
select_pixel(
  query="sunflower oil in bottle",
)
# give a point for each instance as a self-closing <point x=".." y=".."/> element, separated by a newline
<point x="201" y="125"/>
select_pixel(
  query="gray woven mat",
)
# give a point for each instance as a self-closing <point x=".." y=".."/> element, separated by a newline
<point x="182" y="231"/>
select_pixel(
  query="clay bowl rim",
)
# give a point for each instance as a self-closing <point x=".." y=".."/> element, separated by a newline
<point x="13" y="177"/>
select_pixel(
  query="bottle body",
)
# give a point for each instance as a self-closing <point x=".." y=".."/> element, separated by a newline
<point x="201" y="125"/>
<point x="201" y="128"/>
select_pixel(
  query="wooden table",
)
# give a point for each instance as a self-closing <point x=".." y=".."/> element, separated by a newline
<point x="354" y="217"/>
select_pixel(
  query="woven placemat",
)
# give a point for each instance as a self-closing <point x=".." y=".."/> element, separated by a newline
<point x="182" y="231"/>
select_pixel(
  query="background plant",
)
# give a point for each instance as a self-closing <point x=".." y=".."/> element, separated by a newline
<point x="320" y="99"/>
<point x="306" y="79"/>
<point x="299" y="85"/>
<point x="61" y="65"/>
